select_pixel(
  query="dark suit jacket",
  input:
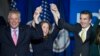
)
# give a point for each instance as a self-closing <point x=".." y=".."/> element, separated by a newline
<point x="94" y="49"/>
<point x="80" y="47"/>
<point x="22" y="49"/>
<point x="2" y="21"/>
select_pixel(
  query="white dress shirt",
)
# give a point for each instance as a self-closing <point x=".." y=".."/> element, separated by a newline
<point x="86" y="29"/>
<point x="17" y="31"/>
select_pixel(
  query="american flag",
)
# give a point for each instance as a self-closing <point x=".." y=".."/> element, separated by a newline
<point x="13" y="5"/>
<point x="45" y="10"/>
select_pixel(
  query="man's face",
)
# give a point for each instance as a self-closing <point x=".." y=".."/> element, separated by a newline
<point x="14" y="20"/>
<point x="85" y="20"/>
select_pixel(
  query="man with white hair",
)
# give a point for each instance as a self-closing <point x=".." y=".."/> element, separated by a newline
<point x="15" y="38"/>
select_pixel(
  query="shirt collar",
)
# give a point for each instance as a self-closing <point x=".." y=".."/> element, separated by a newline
<point x="86" y="28"/>
<point x="15" y="29"/>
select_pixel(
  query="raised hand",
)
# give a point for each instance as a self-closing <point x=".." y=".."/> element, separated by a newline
<point x="55" y="12"/>
<point x="37" y="13"/>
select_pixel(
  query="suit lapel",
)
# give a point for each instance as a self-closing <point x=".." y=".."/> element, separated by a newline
<point x="79" y="30"/>
<point x="88" y="34"/>
<point x="8" y="32"/>
<point x="21" y="35"/>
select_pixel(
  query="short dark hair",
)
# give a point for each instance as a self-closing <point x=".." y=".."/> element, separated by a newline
<point x="87" y="12"/>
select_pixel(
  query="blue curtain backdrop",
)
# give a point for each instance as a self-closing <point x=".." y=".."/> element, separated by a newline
<point x="27" y="7"/>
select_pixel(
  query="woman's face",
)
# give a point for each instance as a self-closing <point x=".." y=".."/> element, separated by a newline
<point x="45" y="28"/>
